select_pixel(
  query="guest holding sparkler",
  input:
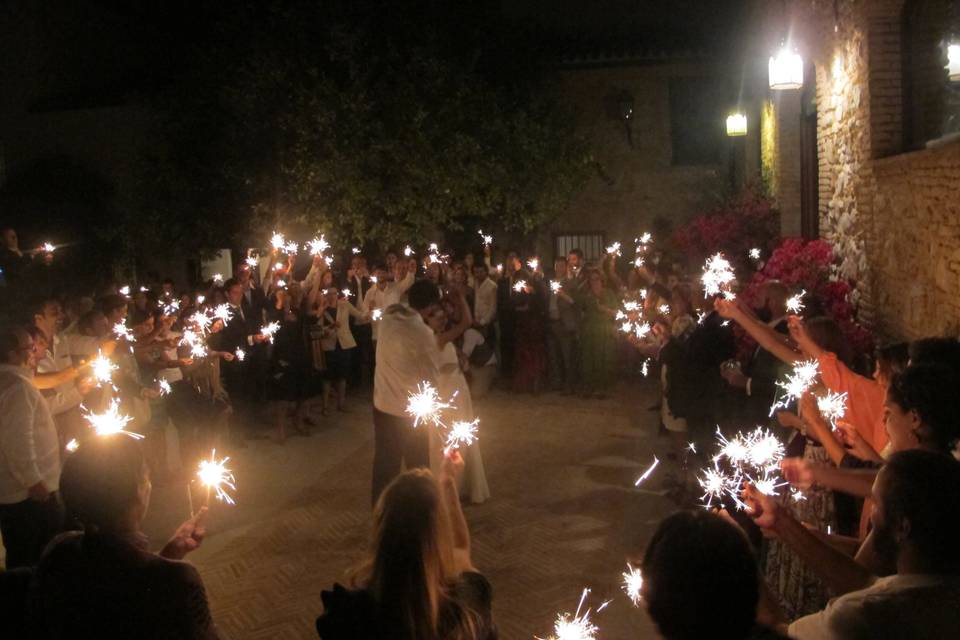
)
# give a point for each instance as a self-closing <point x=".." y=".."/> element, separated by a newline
<point x="598" y="346"/>
<point x="484" y="301"/>
<point x="30" y="510"/>
<point x="419" y="580"/>
<point x="449" y="322"/>
<point x="292" y="378"/>
<point x="564" y="318"/>
<point x="407" y="356"/>
<point x="530" y="352"/>
<point x="102" y="581"/>
<point x="506" y="317"/>
<point x="337" y="342"/>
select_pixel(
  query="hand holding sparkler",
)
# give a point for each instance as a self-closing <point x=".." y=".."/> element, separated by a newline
<point x="763" y="509"/>
<point x="187" y="537"/>
<point x="798" y="472"/>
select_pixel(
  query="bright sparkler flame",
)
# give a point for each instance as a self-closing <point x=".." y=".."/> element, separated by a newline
<point x="632" y="584"/>
<point x="631" y="305"/>
<point x="355" y="251"/>
<point x="346" y="293"/>
<point x="223" y="312"/>
<point x="252" y="261"/>
<point x="664" y="309"/>
<point x="797" y="383"/>
<point x="641" y="330"/>
<point x="425" y="405"/>
<point x="462" y="433"/>
<point x="277" y="241"/>
<point x="832" y="406"/>
<point x="201" y="298"/>
<point x="754" y="253"/>
<point x="638" y="262"/>
<point x="520" y="285"/>
<point x="164" y="387"/>
<point x="614" y="249"/>
<point x="533" y="263"/>
<point x="795" y="303"/>
<point x="123" y="332"/>
<point x="574" y="626"/>
<point x="646" y="238"/>
<point x="102" y="368"/>
<point x="240" y="354"/>
<point x="646" y="474"/>
<point x="291" y="248"/>
<point x="752" y="457"/>
<point x="73" y="445"/>
<point x="269" y="330"/>
<point x="49" y="247"/>
<point x="645" y="368"/>
<point x="124" y="290"/>
<point x="487" y="239"/>
<point x="202" y="321"/>
<point x="376" y="314"/>
<point x="218" y="278"/>
<point x="215" y="475"/>
<point x="407" y="251"/>
<point x="555" y="286"/>
<point x="110" y="421"/>
<point x="717" y="275"/>
<point x="318" y="246"/>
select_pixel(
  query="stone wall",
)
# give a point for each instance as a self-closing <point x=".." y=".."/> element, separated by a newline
<point x="894" y="218"/>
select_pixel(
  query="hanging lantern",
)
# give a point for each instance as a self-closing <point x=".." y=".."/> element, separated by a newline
<point x="786" y="70"/>
<point x="953" y="62"/>
<point x="736" y="124"/>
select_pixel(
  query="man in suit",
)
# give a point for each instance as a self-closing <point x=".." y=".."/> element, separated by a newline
<point x="358" y="283"/>
<point x="758" y="379"/>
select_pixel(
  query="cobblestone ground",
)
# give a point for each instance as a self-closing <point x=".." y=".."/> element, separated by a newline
<point x="563" y="514"/>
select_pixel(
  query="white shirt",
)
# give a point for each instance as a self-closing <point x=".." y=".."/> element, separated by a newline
<point x="407" y="356"/>
<point x="59" y="356"/>
<point x="919" y="607"/>
<point x="397" y="291"/>
<point x="485" y="302"/>
<point x="473" y="339"/>
<point x="341" y="333"/>
<point x="29" y="447"/>
<point x="375" y="299"/>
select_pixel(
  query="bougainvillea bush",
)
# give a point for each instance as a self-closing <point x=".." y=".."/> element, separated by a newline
<point x="746" y="221"/>
<point x="806" y="265"/>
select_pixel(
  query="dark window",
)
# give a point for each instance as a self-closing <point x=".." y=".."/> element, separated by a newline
<point x="931" y="102"/>
<point x="697" y="120"/>
<point x="590" y="243"/>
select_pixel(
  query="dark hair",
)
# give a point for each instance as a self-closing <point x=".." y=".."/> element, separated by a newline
<point x="924" y="488"/>
<point x="699" y="569"/>
<point x="38" y="305"/>
<point x="892" y="358"/>
<point x="139" y="316"/>
<point x="112" y="302"/>
<point x="945" y="351"/>
<point x="101" y="480"/>
<point x="86" y="320"/>
<point x="576" y="252"/>
<point x="827" y="335"/>
<point x="9" y="340"/>
<point x="931" y="391"/>
<point x="230" y="283"/>
<point x="422" y="294"/>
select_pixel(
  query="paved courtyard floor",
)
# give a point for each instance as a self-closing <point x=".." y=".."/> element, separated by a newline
<point x="563" y="514"/>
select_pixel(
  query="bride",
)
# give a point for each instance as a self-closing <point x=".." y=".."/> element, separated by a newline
<point x="448" y="323"/>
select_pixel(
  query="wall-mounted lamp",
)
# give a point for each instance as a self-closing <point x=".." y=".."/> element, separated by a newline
<point x="736" y="124"/>
<point x="785" y="70"/>
<point x="953" y="62"/>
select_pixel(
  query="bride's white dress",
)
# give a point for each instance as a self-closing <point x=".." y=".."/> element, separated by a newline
<point x="453" y="381"/>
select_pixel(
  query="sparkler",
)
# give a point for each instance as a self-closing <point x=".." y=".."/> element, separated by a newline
<point x="638" y="262"/>
<point x="164" y="387"/>
<point x="102" y="368"/>
<point x="291" y="248"/>
<point x="218" y="278"/>
<point x="575" y="626"/>
<point x="645" y="368"/>
<point x="240" y="354"/>
<point x="223" y="312"/>
<point x="124" y="290"/>
<point x="433" y="248"/>
<point x="281" y="284"/>
<point x="500" y="268"/>
<point x="278" y="267"/>
<point x="123" y="332"/>
<point x="796" y="384"/>
<point x="318" y="246"/>
<point x="832" y="406"/>
<point x="72" y="446"/>
<point x="519" y="286"/>
<point x="407" y="251"/>
<point x="110" y="421"/>
<point x="487" y="239"/>
<point x="795" y="303"/>
<point x="201" y="298"/>
<point x="346" y="293"/>
<point x="425" y="405"/>
<point x="374" y="279"/>
<point x="198" y="350"/>
<point x="144" y="289"/>
<point x="717" y="275"/>
<point x="215" y="475"/>
<point x="754" y="253"/>
<point x="632" y="584"/>
<point x="664" y="309"/>
<point x="49" y="247"/>
<point x="376" y="314"/>
<point x="614" y="249"/>
<point x="641" y="330"/>
<point x="555" y="286"/>
<point x="252" y="261"/>
<point x="646" y="474"/>
<point x="277" y="241"/>
<point x="328" y="260"/>
<point x="270" y="330"/>
<point x="533" y="263"/>
<point x="645" y="239"/>
<point x="201" y="321"/>
<point x="461" y="433"/>
<point x="751" y="457"/>
<point x="355" y="250"/>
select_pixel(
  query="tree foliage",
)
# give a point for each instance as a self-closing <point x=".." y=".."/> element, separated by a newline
<point x="374" y="122"/>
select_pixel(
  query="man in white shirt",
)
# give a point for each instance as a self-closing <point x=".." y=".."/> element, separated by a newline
<point x="62" y="348"/>
<point x="407" y="356"/>
<point x="403" y="278"/>
<point x="915" y="525"/>
<point x="376" y="299"/>
<point x="484" y="301"/>
<point x="30" y="511"/>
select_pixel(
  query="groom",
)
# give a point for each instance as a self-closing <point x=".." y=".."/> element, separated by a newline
<point x="406" y="357"/>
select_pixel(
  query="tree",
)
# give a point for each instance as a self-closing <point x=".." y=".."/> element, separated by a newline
<point x="368" y="121"/>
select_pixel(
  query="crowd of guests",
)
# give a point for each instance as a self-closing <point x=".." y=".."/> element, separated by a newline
<point x="858" y="542"/>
